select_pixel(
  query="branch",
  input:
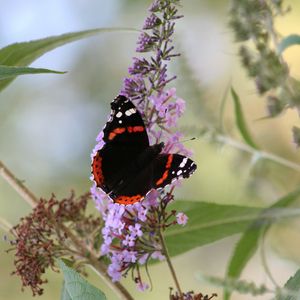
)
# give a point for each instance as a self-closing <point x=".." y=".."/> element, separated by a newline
<point x="19" y="187"/>
<point x="257" y="153"/>
<point x="92" y="259"/>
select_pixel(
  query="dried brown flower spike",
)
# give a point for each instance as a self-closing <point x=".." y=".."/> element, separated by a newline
<point x="46" y="234"/>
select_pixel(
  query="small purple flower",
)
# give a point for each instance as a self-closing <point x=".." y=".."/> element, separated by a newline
<point x="142" y="286"/>
<point x="114" y="272"/>
<point x="105" y="248"/>
<point x="143" y="259"/>
<point x="181" y="218"/>
<point x="134" y="88"/>
<point x="155" y="6"/>
<point x="145" y="43"/>
<point x="139" y="66"/>
<point x="142" y="214"/>
<point x="100" y="199"/>
<point x="171" y="119"/>
<point x="158" y="255"/>
<point x="129" y="256"/>
<point x="114" y="216"/>
<point x="151" y="22"/>
<point x="135" y="230"/>
<point x="129" y="240"/>
<point x="180" y="106"/>
<point x="152" y="198"/>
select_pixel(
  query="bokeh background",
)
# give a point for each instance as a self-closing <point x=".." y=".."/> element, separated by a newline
<point x="48" y="125"/>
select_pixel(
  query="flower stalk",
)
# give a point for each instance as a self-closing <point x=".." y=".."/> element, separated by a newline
<point x="18" y="186"/>
<point x="169" y="262"/>
<point x="78" y="247"/>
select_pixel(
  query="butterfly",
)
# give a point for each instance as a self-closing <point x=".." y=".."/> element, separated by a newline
<point x="127" y="167"/>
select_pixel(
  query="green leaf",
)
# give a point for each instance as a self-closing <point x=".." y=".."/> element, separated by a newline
<point x="208" y="222"/>
<point x="248" y="243"/>
<point x="23" y="54"/>
<point x="288" y="41"/>
<point x="240" y="286"/>
<point x="222" y="108"/>
<point x="11" y="72"/>
<point x="291" y="289"/>
<point x="77" y="288"/>
<point x="240" y="120"/>
<point x="64" y="293"/>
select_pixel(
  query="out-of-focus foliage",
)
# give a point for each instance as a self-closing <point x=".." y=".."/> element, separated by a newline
<point x="49" y="123"/>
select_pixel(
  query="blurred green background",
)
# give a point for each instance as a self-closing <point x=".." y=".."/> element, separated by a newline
<point x="48" y="125"/>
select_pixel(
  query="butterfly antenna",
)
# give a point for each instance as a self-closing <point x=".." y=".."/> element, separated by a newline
<point x="187" y="140"/>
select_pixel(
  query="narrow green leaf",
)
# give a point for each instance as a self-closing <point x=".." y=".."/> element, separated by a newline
<point x="208" y="222"/>
<point x="77" y="288"/>
<point x="23" y="54"/>
<point x="64" y="293"/>
<point x="240" y="120"/>
<point x="248" y="243"/>
<point x="291" y="289"/>
<point x="222" y="108"/>
<point x="288" y="41"/>
<point x="11" y="72"/>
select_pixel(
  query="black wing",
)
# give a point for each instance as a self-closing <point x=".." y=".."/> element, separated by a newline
<point x="125" y="137"/>
<point x="125" y="124"/>
<point x="171" y="167"/>
<point x="163" y="170"/>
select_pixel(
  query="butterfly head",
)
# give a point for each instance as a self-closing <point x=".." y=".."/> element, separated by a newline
<point x="158" y="147"/>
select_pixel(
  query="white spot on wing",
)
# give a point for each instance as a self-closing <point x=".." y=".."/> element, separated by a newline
<point x="130" y="112"/>
<point x="119" y="114"/>
<point x="183" y="162"/>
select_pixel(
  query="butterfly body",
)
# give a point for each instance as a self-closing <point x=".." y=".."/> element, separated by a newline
<point x="127" y="167"/>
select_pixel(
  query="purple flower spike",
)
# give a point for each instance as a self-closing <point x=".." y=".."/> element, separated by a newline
<point x="131" y="233"/>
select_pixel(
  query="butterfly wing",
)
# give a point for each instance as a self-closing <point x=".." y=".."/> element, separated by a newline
<point x="125" y="137"/>
<point x="163" y="170"/>
<point x="171" y="167"/>
<point x="134" y="189"/>
<point x="125" y="124"/>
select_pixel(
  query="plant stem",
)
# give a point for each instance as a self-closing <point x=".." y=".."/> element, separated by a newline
<point x="97" y="265"/>
<point x="91" y="258"/>
<point x="166" y="253"/>
<point x="260" y="154"/>
<point x="5" y="225"/>
<point x="19" y="187"/>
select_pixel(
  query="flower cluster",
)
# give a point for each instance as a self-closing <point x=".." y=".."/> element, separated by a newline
<point x="148" y="77"/>
<point x="190" y="296"/>
<point x="132" y="235"/>
<point x="254" y="21"/>
<point x="40" y="237"/>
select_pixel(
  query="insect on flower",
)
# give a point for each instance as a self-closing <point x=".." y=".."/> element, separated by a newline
<point x="127" y="167"/>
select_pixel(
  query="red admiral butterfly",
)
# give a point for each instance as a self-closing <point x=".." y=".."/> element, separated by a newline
<point x="127" y="167"/>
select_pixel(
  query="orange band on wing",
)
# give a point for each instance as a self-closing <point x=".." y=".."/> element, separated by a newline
<point x="128" y="199"/>
<point x="115" y="132"/>
<point x="169" y="161"/>
<point x="131" y="129"/>
<point x="97" y="169"/>
<point x="166" y="173"/>
<point x="163" y="178"/>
